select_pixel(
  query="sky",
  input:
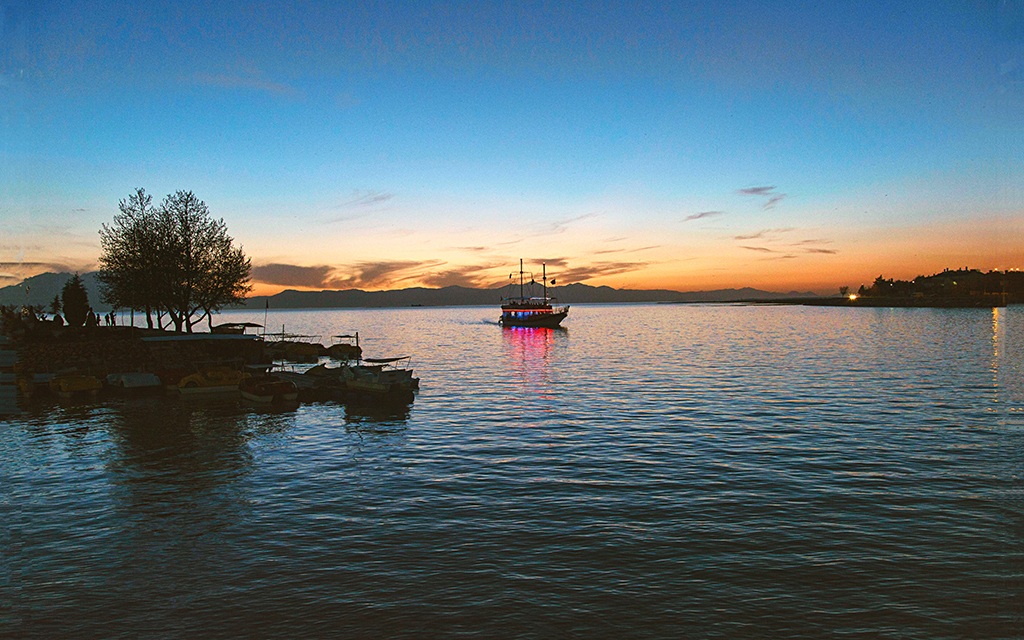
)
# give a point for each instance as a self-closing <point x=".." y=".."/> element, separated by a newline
<point x="788" y="146"/>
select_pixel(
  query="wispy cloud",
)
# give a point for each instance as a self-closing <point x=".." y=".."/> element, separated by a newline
<point x="756" y="191"/>
<point x="254" y="82"/>
<point x="466" y="276"/>
<point x="560" y="226"/>
<point x="771" y="196"/>
<point x="359" y="204"/>
<point x="763" y="233"/>
<point x="366" y="198"/>
<point x="761" y="249"/>
<point x="381" y="274"/>
<point x="596" y="270"/>
<point x="702" y="215"/>
<point x="819" y="250"/>
<point x="369" y="275"/>
<point x="752" y="236"/>
<point x="558" y="263"/>
<point x="290" y="275"/>
<point x="17" y="271"/>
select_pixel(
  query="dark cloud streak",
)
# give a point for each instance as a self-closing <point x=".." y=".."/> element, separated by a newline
<point x="702" y="214"/>
<point x="773" y="198"/>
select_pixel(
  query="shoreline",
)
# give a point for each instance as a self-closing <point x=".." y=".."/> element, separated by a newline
<point x="984" y="301"/>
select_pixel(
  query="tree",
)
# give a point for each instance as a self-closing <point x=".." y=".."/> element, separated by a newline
<point x="172" y="259"/>
<point x="75" y="301"/>
<point x="132" y="251"/>
<point x="844" y="291"/>
<point x="55" y="305"/>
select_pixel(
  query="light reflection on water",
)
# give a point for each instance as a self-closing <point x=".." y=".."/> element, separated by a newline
<point x="649" y="471"/>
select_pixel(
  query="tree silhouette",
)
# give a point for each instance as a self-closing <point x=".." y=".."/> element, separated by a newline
<point x="75" y="302"/>
<point x="132" y="249"/>
<point x="172" y="259"/>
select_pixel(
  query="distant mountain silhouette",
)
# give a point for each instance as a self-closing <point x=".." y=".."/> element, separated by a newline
<point x="39" y="290"/>
<point x="459" y="296"/>
<point x="42" y="288"/>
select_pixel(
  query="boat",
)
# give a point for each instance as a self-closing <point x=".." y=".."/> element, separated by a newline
<point x="33" y="383"/>
<point x="294" y="347"/>
<point x="70" y="384"/>
<point x="384" y="380"/>
<point x="531" y="311"/>
<point x="212" y="379"/>
<point x="265" y="387"/>
<point x="345" y="347"/>
<point x="135" y="383"/>
<point x="381" y="377"/>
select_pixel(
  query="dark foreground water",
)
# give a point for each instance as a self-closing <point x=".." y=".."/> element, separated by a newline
<point x="651" y="471"/>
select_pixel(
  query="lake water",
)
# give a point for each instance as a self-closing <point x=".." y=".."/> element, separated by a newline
<point x="652" y="471"/>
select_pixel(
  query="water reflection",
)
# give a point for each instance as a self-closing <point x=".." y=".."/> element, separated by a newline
<point x="377" y="420"/>
<point x="194" y="444"/>
<point x="529" y="352"/>
<point x="1007" y="351"/>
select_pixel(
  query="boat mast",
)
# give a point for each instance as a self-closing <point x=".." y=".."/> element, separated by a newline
<point x="520" y="279"/>
<point x="544" y="277"/>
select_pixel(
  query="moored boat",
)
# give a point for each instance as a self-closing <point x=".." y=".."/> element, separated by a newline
<point x="381" y="377"/>
<point x="135" y="383"/>
<point x="531" y="311"/>
<point x="71" y="384"/>
<point x="345" y="347"/>
<point x="267" y="388"/>
<point x="212" y="379"/>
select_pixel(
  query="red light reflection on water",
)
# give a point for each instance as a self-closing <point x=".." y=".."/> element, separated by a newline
<point x="528" y="350"/>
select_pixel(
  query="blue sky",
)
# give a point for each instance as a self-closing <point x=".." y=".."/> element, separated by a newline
<point x="377" y="145"/>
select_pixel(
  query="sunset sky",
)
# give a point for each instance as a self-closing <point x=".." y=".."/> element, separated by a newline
<point x="783" y="146"/>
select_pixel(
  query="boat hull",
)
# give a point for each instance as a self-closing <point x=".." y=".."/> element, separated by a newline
<point x="547" y="320"/>
<point x="290" y="396"/>
<point x="268" y="390"/>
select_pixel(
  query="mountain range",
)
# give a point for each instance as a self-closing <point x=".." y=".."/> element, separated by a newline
<point x="41" y="289"/>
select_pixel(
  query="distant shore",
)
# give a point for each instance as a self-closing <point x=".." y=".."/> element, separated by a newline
<point x="952" y="302"/>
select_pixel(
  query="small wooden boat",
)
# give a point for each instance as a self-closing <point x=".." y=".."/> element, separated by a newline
<point x="267" y="388"/>
<point x="345" y="347"/>
<point x="381" y="377"/>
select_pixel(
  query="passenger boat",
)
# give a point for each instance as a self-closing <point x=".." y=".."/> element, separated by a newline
<point x="529" y="311"/>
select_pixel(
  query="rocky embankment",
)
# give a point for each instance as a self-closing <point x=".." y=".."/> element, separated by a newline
<point x="99" y="351"/>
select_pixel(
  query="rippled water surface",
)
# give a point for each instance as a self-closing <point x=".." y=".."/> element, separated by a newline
<point x="651" y="471"/>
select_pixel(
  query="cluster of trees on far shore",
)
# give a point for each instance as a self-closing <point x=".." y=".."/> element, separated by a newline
<point x="949" y="284"/>
<point x="172" y="260"/>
